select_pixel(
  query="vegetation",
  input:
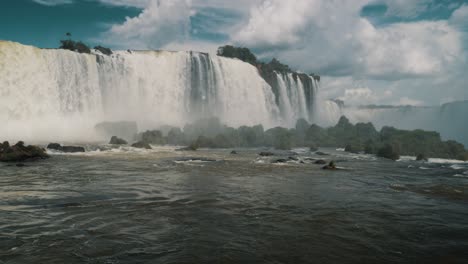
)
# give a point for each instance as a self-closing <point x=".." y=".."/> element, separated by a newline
<point x="362" y="137"/>
<point x="243" y="54"/>
<point x="81" y="47"/>
<point x="104" y="50"/>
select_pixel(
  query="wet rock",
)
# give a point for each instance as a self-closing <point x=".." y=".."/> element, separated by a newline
<point x="330" y="166"/>
<point x="422" y="157"/>
<point x="19" y="152"/>
<point x="195" y="159"/>
<point x="280" y="161"/>
<point x="266" y="154"/>
<point x="65" y="149"/>
<point x="321" y="153"/>
<point x="191" y="147"/>
<point x="234" y="152"/>
<point x="320" y="162"/>
<point x="117" y="141"/>
<point x="141" y="145"/>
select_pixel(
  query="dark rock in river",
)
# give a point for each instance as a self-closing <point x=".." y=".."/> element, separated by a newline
<point x="234" y="152"/>
<point x="330" y="166"/>
<point x="280" y="161"/>
<point x="266" y="154"/>
<point x="117" y="141"/>
<point x="388" y="152"/>
<point x="320" y="162"/>
<point x="191" y="147"/>
<point x="321" y="153"/>
<point x="422" y="157"/>
<point x="154" y="137"/>
<point x="142" y="145"/>
<point x="66" y="149"/>
<point x="20" y="152"/>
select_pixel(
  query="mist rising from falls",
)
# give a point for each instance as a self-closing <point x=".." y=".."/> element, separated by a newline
<point x="449" y="119"/>
<point x="61" y="95"/>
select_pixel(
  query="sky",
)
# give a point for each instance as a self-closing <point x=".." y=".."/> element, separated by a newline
<point x="393" y="52"/>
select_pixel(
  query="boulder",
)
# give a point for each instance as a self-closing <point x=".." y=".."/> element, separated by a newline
<point x="313" y="148"/>
<point x="117" y="141"/>
<point x="280" y="161"/>
<point x="20" y="152"/>
<point x="266" y="154"/>
<point x="65" y="149"/>
<point x="330" y="166"/>
<point x="154" y="137"/>
<point x="388" y="152"/>
<point x="234" y="152"/>
<point x="320" y="162"/>
<point x="142" y="145"/>
<point x="421" y="157"/>
<point x="321" y="153"/>
<point x="191" y="147"/>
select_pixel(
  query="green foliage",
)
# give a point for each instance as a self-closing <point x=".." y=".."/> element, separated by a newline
<point x="79" y="46"/>
<point x="104" y="50"/>
<point x="389" y="142"/>
<point x="243" y="54"/>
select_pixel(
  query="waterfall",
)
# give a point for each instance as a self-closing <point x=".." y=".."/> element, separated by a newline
<point x="50" y="94"/>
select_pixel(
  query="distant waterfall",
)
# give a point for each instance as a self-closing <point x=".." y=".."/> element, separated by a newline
<point x="58" y="94"/>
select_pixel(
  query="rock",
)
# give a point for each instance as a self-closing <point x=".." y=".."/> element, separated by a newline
<point x="349" y="148"/>
<point x="266" y="154"/>
<point x="191" y="147"/>
<point x="321" y="153"/>
<point x="65" y="149"/>
<point x="20" y="152"/>
<point x="117" y="141"/>
<point x="234" y="152"/>
<point x="422" y="157"/>
<point x="320" y="162"/>
<point x="293" y="158"/>
<point x="154" y="137"/>
<point x="388" y="152"/>
<point x="142" y="145"/>
<point x="330" y="166"/>
<point x="280" y="161"/>
<point x="124" y="129"/>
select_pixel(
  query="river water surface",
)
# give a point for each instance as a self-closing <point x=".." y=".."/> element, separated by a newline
<point x="163" y="206"/>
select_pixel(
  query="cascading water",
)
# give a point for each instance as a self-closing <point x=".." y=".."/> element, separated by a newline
<point x="48" y="94"/>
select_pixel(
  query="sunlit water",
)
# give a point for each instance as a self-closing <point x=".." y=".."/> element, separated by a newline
<point x="162" y="206"/>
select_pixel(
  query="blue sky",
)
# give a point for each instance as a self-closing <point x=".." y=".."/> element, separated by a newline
<point x="369" y="51"/>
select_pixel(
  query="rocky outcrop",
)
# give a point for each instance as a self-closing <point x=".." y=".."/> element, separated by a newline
<point x="422" y="157"/>
<point x="65" y="149"/>
<point x="19" y="152"/>
<point x="141" y="145"/>
<point x="266" y="154"/>
<point x="117" y="141"/>
<point x="330" y="166"/>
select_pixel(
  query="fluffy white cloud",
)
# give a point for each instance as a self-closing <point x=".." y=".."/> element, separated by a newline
<point x="160" y="23"/>
<point x="332" y="37"/>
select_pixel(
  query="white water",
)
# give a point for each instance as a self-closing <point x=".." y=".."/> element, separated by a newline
<point x="61" y="95"/>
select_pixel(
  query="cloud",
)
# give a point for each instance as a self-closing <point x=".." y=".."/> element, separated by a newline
<point x="53" y="2"/>
<point x="160" y="23"/>
<point x="331" y="37"/>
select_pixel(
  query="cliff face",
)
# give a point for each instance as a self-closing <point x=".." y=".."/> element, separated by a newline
<point x="65" y="93"/>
